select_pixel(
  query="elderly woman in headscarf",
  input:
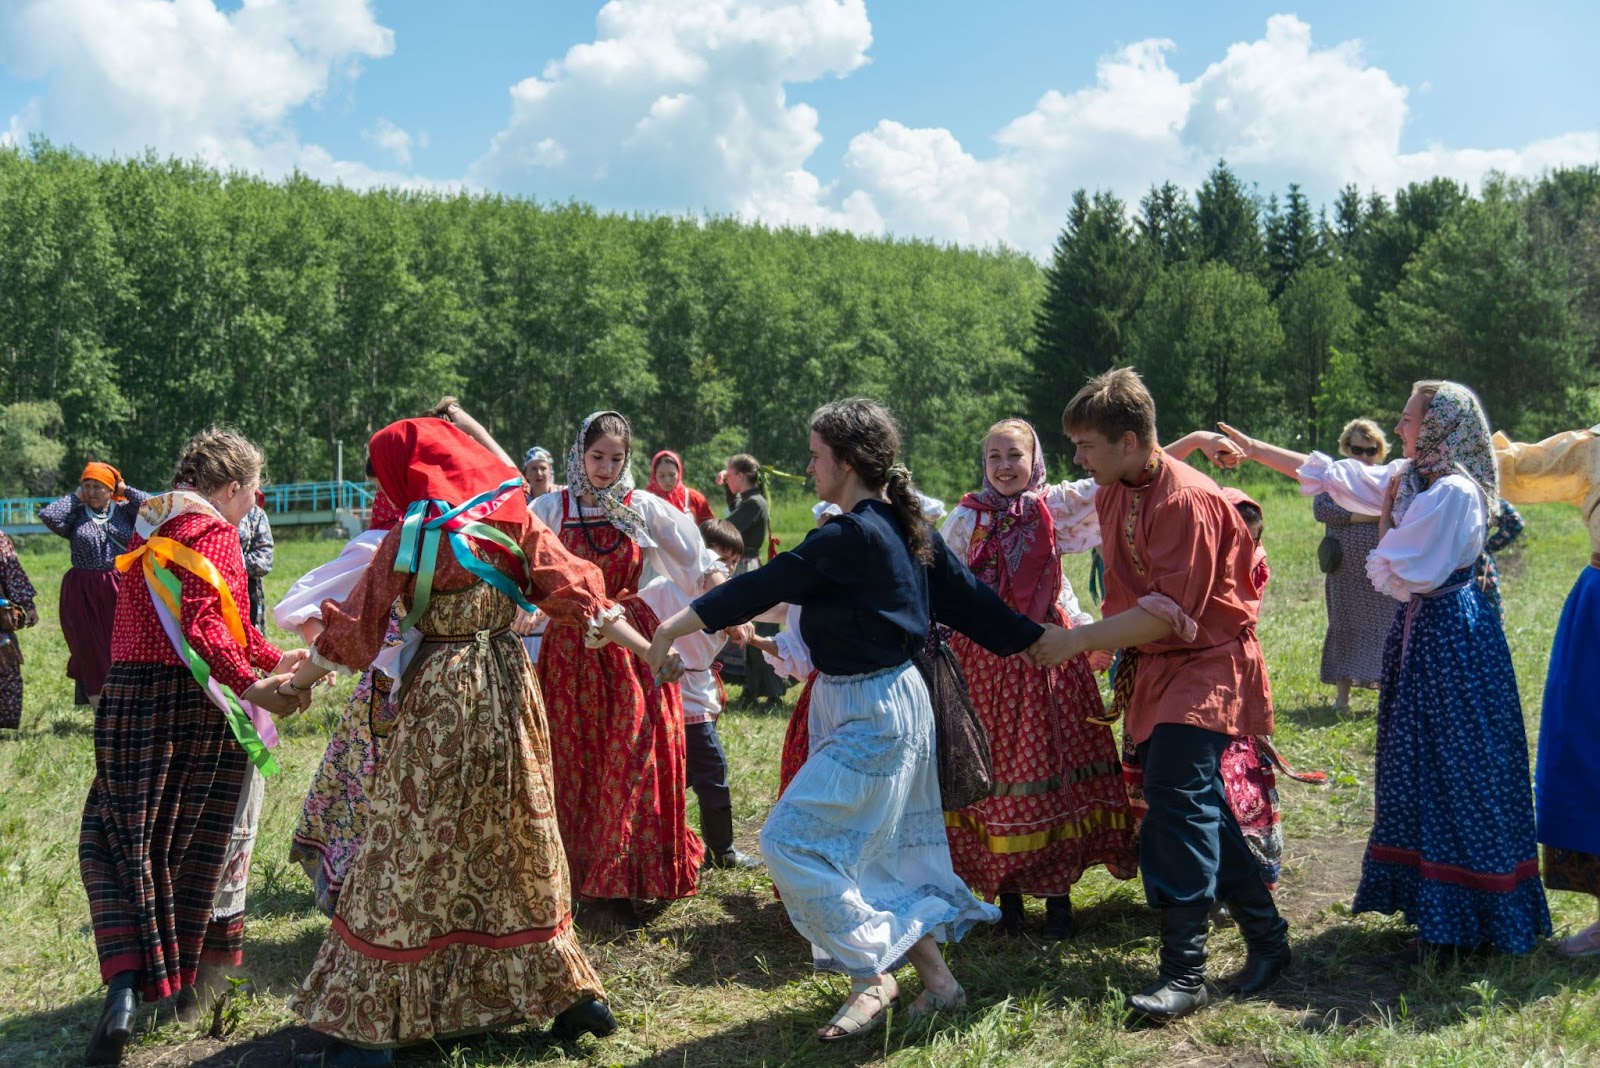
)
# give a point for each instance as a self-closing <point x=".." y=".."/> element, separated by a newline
<point x="98" y="519"/>
<point x="617" y="732"/>
<point x="463" y="830"/>
<point x="1452" y="843"/>
<point x="539" y="472"/>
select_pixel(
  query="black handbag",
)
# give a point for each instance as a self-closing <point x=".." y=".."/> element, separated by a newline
<point x="1330" y="554"/>
<point x="966" y="765"/>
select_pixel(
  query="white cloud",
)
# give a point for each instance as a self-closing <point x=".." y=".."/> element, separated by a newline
<point x="679" y="105"/>
<point x="189" y="79"/>
<point x="1279" y="109"/>
<point x="395" y="141"/>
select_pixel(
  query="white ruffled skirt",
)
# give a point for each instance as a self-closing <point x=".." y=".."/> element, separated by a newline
<point x="856" y="845"/>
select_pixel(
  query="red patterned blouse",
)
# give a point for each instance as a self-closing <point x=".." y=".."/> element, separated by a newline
<point x="137" y="637"/>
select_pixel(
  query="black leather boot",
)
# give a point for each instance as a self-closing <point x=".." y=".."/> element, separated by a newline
<point x="1011" y="915"/>
<point x="1266" y="939"/>
<point x="1181" y="988"/>
<point x="1059" y="926"/>
<point x="588" y="1017"/>
<point x="716" y="827"/>
<point x="116" y="1021"/>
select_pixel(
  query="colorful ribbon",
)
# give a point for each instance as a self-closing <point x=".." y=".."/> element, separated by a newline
<point x="419" y="546"/>
<point x="252" y="725"/>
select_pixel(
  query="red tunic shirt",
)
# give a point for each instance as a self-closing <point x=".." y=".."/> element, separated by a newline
<point x="137" y="636"/>
<point x="566" y="588"/>
<point x="1174" y="534"/>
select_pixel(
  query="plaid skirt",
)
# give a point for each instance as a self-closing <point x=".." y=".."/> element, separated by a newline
<point x="156" y="828"/>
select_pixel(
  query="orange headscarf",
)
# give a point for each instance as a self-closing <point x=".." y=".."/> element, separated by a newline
<point x="105" y="474"/>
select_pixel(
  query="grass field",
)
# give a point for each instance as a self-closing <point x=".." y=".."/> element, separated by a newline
<point x="721" y="979"/>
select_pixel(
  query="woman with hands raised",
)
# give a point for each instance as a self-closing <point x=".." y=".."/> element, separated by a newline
<point x="1452" y="842"/>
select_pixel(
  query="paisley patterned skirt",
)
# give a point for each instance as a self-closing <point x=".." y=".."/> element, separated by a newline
<point x="455" y="916"/>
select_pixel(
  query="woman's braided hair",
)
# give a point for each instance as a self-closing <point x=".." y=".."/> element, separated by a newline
<point x="863" y="434"/>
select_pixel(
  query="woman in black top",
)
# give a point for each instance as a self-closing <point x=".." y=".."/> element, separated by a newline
<point x="749" y="511"/>
<point x="856" y="844"/>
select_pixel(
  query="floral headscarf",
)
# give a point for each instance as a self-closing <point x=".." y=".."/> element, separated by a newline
<point x="1017" y="557"/>
<point x="538" y="453"/>
<point x="614" y="499"/>
<point x="1454" y="439"/>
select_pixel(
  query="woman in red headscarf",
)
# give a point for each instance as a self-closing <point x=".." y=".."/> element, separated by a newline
<point x="1058" y="806"/>
<point x="666" y="482"/>
<point x="97" y="518"/>
<point x="455" y="915"/>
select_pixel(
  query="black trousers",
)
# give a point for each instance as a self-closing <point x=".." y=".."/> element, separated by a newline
<point x="1191" y="851"/>
<point x="707" y="766"/>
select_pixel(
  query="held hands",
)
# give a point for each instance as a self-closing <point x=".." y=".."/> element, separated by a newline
<point x="1057" y="645"/>
<point x="291" y="660"/>
<point x="1100" y="660"/>
<point x="741" y="635"/>
<point x="274" y="693"/>
<point x="666" y="664"/>
<point x="1222" y="451"/>
<point x="1244" y="446"/>
<point x="525" y="622"/>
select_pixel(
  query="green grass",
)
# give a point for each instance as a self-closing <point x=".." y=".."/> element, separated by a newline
<point x="722" y="980"/>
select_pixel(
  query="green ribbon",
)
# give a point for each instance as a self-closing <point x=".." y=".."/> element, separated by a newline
<point x="238" y="720"/>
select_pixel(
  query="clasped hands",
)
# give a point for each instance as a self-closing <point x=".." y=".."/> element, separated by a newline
<point x="275" y="692"/>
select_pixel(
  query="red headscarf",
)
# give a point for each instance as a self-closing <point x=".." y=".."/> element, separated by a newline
<point x="1259" y="571"/>
<point x="1016" y="556"/>
<point x="384" y="516"/>
<point x="431" y="459"/>
<point x="679" y="495"/>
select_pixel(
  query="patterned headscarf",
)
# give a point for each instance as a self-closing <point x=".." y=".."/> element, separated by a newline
<point x="614" y="499"/>
<point x="1017" y="556"/>
<point x="1454" y="439"/>
<point x="538" y="453"/>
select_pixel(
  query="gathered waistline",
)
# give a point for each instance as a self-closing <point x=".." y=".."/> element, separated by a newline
<point x="865" y="676"/>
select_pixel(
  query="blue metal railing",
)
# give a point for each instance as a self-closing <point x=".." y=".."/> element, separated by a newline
<point x="20" y="515"/>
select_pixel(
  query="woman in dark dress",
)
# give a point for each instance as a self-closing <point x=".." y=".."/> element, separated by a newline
<point x="856" y="845"/>
<point x="97" y="518"/>
<point x="750" y="513"/>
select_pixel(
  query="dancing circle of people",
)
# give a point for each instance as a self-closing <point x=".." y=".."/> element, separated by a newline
<point x="539" y="688"/>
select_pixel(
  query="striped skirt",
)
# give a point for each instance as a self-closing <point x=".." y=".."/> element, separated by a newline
<point x="157" y="826"/>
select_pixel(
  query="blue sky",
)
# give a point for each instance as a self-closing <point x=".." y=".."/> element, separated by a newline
<point x="951" y="120"/>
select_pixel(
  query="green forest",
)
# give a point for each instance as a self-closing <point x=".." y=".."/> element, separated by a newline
<point x="142" y="298"/>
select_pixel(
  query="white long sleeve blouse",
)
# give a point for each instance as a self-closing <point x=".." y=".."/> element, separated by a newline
<point x="1442" y="531"/>
<point x="672" y="544"/>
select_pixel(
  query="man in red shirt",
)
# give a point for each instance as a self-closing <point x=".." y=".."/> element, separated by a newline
<point x="1180" y="603"/>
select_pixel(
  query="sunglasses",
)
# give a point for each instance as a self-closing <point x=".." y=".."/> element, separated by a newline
<point x="1357" y="450"/>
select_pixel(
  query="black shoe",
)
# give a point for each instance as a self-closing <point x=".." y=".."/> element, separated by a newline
<point x="344" y="1055"/>
<point x="1181" y="988"/>
<point x="589" y="1017"/>
<point x="116" y="1021"/>
<point x="1266" y="936"/>
<point x="716" y="827"/>
<point x="1011" y="915"/>
<point x="1059" y="926"/>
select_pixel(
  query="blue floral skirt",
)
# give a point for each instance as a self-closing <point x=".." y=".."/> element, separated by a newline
<point x="1452" y="844"/>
